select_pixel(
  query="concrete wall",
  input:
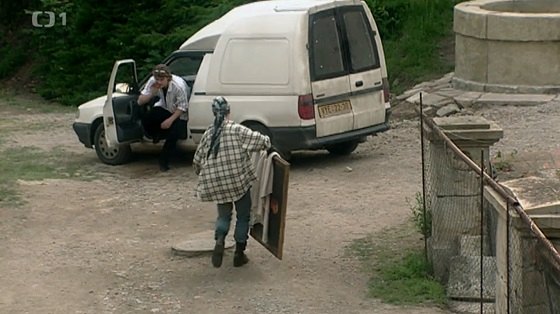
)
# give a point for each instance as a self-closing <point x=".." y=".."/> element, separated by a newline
<point x="530" y="288"/>
<point x="499" y="51"/>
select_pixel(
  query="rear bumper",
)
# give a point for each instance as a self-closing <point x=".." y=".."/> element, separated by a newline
<point x="83" y="131"/>
<point x="305" y="138"/>
<point x="294" y="138"/>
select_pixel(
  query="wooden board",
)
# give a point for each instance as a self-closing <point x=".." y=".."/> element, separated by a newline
<point x="278" y="206"/>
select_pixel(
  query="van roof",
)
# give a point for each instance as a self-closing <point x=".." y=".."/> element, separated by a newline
<point x="207" y="37"/>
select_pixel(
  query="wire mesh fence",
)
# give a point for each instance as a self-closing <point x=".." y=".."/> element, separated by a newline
<point x="490" y="254"/>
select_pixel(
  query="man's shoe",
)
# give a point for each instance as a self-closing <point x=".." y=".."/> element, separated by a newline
<point x="163" y="167"/>
<point x="218" y="254"/>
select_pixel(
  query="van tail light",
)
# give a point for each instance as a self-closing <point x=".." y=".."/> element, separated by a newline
<point x="385" y="90"/>
<point x="306" y="110"/>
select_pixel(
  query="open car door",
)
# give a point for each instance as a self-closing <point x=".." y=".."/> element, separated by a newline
<point x="121" y="113"/>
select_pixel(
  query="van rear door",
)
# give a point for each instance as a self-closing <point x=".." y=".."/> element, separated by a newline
<point x="329" y="75"/>
<point x="366" y="85"/>
<point x="346" y="76"/>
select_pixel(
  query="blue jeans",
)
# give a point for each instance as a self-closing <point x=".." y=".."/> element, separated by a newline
<point x="243" y="210"/>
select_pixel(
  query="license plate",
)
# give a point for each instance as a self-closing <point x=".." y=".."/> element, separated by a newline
<point x="335" y="109"/>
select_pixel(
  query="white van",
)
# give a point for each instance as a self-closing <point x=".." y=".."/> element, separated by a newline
<point x="309" y="73"/>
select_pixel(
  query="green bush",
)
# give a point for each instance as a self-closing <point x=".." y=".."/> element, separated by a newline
<point x="13" y="57"/>
<point x="73" y="60"/>
<point x="412" y="33"/>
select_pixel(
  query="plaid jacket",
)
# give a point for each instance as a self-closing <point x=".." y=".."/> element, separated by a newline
<point x="227" y="177"/>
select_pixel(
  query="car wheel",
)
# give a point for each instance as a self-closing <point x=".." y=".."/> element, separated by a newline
<point x="286" y="155"/>
<point x="344" y="148"/>
<point x="117" y="155"/>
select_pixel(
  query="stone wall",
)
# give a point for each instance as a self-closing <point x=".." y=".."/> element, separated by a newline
<point x="502" y="46"/>
<point x="532" y="288"/>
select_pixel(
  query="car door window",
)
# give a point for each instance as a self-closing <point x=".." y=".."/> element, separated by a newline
<point x="361" y="44"/>
<point x="326" y="52"/>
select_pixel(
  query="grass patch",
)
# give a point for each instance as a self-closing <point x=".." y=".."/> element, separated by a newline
<point x="30" y="164"/>
<point x="11" y="124"/>
<point x="21" y="104"/>
<point x="399" y="274"/>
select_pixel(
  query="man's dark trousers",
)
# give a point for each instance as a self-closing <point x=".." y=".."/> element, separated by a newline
<point x="152" y="125"/>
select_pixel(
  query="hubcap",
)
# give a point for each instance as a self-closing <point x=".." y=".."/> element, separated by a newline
<point x="108" y="152"/>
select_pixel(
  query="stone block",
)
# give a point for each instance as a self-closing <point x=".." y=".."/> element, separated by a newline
<point x="469" y="20"/>
<point x="471" y="59"/>
<point x="448" y="110"/>
<point x="409" y="93"/>
<point x="513" y="63"/>
<point x="534" y="289"/>
<point x="472" y="307"/>
<point x="517" y="100"/>
<point x="439" y="255"/>
<point x="449" y="92"/>
<point x="470" y="245"/>
<point x="463" y="123"/>
<point x="428" y="99"/>
<point x="467" y="99"/>
<point x="464" y="278"/>
<point x="523" y="27"/>
<point x="541" y="308"/>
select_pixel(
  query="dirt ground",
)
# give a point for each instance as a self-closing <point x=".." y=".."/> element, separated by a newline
<point x="103" y="246"/>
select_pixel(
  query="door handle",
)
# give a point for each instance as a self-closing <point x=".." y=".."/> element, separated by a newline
<point x="320" y="95"/>
<point x="377" y="83"/>
<point x="359" y="83"/>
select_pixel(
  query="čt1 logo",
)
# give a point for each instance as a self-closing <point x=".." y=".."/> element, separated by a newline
<point x="51" y="18"/>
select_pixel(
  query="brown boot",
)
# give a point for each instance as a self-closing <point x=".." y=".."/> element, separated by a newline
<point x="239" y="257"/>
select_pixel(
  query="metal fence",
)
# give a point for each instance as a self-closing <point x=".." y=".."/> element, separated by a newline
<point x="492" y="258"/>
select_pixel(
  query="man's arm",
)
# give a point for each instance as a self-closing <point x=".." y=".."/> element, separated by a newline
<point x="166" y="124"/>
<point x="150" y="90"/>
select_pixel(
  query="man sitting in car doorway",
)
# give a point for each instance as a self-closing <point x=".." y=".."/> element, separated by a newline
<point x="168" y="118"/>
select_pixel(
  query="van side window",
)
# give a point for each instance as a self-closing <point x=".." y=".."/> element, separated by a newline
<point x="361" y="44"/>
<point x="326" y="52"/>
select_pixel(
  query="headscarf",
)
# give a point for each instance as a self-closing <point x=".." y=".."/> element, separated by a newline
<point x="220" y="108"/>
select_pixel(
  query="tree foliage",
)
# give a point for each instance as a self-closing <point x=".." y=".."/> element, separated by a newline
<point x="73" y="58"/>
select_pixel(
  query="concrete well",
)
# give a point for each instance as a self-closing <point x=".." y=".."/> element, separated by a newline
<point x="508" y="46"/>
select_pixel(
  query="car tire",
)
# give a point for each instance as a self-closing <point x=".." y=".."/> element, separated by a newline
<point x="344" y="148"/>
<point x="117" y="155"/>
<point x="286" y="155"/>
